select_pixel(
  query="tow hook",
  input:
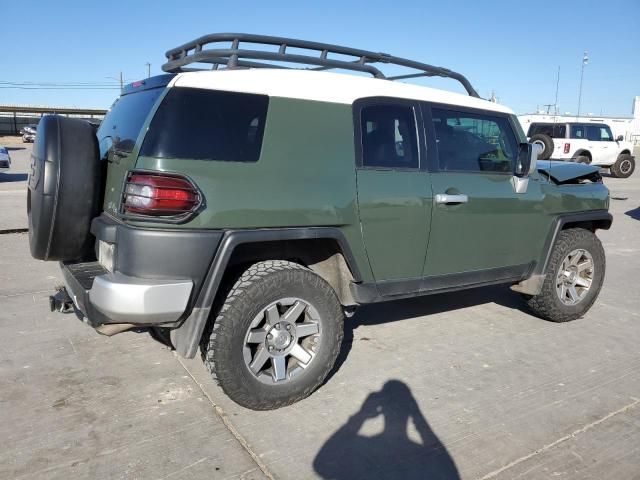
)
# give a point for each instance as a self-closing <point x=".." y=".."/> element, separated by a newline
<point x="61" y="301"/>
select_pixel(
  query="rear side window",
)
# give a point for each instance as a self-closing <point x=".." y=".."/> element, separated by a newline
<point x="550" y="129"/>
<point x="207" y="125"/>
<point x="389" y="137"/>
<point x="125" y="118"/>
<point x="474" y="142"/>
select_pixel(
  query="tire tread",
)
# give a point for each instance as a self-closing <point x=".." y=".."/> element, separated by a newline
<point x="546" y="304"/>
<point x="226" y="325"/>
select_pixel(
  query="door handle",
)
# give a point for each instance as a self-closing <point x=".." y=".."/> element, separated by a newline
<point x="449" y="199"/>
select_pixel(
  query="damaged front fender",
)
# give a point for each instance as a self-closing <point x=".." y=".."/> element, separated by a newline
<point x="563" y="173"/>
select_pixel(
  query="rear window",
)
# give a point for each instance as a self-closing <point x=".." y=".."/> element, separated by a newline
<point x="204" y="124"/>
<point x="124" y="120"/>
<point x="550" y="129"/>
<point x="389" y="137"/>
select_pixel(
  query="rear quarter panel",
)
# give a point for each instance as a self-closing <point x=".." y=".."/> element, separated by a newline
<point x="305" y="175"/>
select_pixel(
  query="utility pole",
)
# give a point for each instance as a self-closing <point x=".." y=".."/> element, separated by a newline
<point x="120" y="78"/>
<point x="585" y="60"/>
<point x="148" y="69"/>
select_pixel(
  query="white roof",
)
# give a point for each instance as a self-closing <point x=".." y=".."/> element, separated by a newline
<point x="322" y="86"/>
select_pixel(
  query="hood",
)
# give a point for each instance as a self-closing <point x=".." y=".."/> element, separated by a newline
<point x="566" y="172"/>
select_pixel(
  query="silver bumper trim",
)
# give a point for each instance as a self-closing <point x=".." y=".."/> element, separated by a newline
<point x="125" y="299"/>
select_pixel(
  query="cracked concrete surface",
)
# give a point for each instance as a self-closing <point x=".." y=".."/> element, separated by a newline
<point x="460" y="385"/>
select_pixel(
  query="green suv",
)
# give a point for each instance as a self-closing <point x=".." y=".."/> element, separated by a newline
<point x="248" y="210"/>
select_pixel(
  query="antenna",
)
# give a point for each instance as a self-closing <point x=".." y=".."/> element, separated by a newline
<point x="555" y="104"/>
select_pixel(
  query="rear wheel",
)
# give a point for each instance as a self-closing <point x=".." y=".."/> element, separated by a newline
<point x="574" y="277"/>
<point x="583" y="159"/>
<point x="276" y="336"/>
<point x="624" y="166"/>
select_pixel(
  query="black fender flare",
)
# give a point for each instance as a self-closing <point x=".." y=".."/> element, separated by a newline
<point x="600" y="219"/>
<point x="186" y="337"/>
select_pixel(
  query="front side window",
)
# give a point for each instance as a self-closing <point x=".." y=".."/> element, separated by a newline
<point x="202" y="124"/>
<point x="474" y="142"/>
<point x="389" y="137"/>
<point x="599" y="133"/>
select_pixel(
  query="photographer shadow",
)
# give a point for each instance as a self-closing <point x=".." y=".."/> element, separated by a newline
<point x="391" y="454"/>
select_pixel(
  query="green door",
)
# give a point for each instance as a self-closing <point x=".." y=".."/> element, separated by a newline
<point x="394" y="194"/>
<point x="479" y="222"/>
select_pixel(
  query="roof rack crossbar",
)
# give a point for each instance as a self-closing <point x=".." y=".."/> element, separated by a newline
<point x="236" y="57"/>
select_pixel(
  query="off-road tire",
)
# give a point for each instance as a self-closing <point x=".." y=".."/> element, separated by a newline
<point x="620" y="168"/>
<point x="547" y="304"/>
<point x="259" y="285"/>
<point x="583" y="159"/>
<point x="547" y="141"/>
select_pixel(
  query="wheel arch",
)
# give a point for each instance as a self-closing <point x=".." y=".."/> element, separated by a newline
<point x="584" y="152"/>
<point x="324" y="250"/>
<point x="626" y="151"/>
<point x="592" y="220"/>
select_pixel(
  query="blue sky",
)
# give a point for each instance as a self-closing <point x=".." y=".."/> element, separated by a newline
<point x="511" y="47"/>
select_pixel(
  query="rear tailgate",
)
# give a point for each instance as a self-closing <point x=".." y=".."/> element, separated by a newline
<point x="121" y="131"/>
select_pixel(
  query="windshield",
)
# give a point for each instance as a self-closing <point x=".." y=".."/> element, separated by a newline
<point x="125" y="119"/>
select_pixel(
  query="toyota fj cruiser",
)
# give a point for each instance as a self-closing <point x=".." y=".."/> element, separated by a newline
<point x="590" y="143"/>
<point x="249" y="209"/>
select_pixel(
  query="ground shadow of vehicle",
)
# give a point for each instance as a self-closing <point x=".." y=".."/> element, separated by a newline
<point x="390" y="454"/>
<point x="396" y="310"/>
<point x="634" y="213"/>
<point x="13" y="177"/>
<point x="15" y="148"/>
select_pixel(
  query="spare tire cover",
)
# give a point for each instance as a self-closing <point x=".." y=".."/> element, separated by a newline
<point x="547" y="145"/>
<point x="64" y="188"/>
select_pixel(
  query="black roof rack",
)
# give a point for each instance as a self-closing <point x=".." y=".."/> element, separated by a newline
<point x="236" y="57"/>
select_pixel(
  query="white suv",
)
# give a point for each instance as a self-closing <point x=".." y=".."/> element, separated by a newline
<point x="585" y="143"/>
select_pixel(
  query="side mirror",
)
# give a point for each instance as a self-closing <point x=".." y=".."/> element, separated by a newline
<point x="526" y="161"/>
<point x="619" y="138"/>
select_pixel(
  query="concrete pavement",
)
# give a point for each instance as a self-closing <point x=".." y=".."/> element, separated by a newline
<point x="462" y="385"/>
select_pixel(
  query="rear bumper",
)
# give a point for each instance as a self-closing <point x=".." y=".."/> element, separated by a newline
<point x="106" y="298"/>
<point x="156" y="275"/>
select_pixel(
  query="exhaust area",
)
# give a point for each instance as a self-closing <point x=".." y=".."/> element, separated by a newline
<point x="114" y="328"/>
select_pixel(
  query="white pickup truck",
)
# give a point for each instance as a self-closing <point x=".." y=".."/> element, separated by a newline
<point x="585" y="143"/>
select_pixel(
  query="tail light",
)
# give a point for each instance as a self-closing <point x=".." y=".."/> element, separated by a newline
<point x="567" y="147"/>
<point x="158" y="194"/>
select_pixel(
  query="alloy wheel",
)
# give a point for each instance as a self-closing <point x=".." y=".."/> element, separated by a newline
<point x="575" y="277"/>
<point x="282" y="340"/>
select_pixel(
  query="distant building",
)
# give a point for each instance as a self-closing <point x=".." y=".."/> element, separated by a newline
<point x="628" y="127"/>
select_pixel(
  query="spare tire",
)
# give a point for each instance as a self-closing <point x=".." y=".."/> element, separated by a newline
<point x="546" y="142"/>
<point x="64" y="188"/>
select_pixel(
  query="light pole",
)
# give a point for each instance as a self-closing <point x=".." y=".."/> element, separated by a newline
<point x="148" y="69"/>
<point x="585" y="60"/>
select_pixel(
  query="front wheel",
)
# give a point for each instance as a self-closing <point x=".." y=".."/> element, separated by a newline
<point x="624" y="166"/>
<point x="574" y="277"/>
<point x="276" y="337"/>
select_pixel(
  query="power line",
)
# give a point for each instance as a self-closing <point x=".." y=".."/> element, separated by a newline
<point x="17" y="87"/>
<point x="56" y="84"/>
